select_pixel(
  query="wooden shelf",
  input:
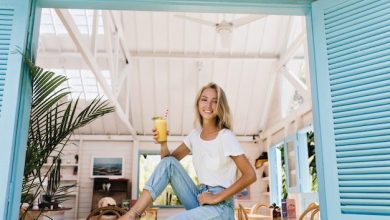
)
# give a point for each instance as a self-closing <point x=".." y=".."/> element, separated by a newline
<point x="62" y="165"/>
<point x="69" y="176"/>
<point x="69" y="165"/>
<point x="120" y="190"/>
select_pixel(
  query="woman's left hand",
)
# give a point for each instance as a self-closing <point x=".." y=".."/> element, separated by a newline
<point x="207" y="198"/>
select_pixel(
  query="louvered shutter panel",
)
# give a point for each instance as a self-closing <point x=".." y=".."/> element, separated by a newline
<point x="15" y="96"/>
<point x="6" y="19"/>
<point x="356" y="61"/>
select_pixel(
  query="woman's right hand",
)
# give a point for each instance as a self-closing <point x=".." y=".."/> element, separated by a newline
<point x="155" y="135"/>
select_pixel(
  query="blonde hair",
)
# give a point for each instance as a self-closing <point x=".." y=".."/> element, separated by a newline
<point x="224" y="119"/>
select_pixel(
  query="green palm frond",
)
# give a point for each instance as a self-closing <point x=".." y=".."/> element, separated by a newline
<point x="53" y="119"/>
<point x="312" y="161"/>
<point x="63" y="192"/>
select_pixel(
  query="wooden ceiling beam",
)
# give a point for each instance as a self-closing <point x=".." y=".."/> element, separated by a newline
<point x="296" y="82"/>
<point x="176" y="55"/>
<point x="108" y="40"/>
<point x="291" y="51"/>
<point x="115" y="16"/>
<point x="284" y="58"/>
<point x="122" y="39"/>
<point x="95" y="23"/>
<point x="118" y="77"/>
<point x="74" y="33"/>
<point x="268" y="99"/>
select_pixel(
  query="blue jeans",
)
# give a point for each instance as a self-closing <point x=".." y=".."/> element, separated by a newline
<point x="169" y="170"/>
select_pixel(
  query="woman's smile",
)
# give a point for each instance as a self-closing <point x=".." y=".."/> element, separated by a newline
<point x="208" y="103"/>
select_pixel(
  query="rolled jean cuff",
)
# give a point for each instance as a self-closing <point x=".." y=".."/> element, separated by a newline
<point x="151" y="191"/>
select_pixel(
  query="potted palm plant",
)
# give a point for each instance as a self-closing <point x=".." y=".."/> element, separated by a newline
<point x="53" y="119"/>
<point x="54" y="193"/>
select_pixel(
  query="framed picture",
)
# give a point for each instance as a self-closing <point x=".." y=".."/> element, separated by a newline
<point x="107" y="167"/>
<point x="243" y="195"/>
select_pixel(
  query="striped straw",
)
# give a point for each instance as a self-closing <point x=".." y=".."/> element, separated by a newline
<point x="166" y="114"/>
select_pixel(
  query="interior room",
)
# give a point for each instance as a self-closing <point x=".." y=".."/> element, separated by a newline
<point x="149" y="63"/>
<point x="307" y="82"/>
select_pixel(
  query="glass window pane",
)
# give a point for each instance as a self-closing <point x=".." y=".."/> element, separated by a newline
<point x="282" y="175"/>
<point x="147" y="164"/>
<point x="312" y="161"/>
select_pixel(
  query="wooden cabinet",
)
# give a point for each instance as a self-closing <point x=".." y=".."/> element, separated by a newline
<point x="118" y="189"/>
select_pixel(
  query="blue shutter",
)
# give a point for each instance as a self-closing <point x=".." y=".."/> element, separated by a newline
<point x="6" y="18"/>
<point x="351" y="103"/>
<point x="15" y="96"/>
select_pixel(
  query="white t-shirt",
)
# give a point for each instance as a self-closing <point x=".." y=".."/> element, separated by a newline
<point x="212" y="160"/>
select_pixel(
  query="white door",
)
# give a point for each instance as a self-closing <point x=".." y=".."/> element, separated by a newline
<point x="351" y="100"/>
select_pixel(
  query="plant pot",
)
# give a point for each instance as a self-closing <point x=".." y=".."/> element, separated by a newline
<point x="49" y="203"/>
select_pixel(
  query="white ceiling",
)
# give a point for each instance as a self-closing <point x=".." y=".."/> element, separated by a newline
<point x="168" y="59"/>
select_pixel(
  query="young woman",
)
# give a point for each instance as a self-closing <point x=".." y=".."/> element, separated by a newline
<point x="216" y="154"/>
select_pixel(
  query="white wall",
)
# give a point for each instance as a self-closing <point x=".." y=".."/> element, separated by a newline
<point x="258" y="188"/>
<point x="107" y="147"/>
<point x="276" y="133"/>
<point x="89" y="148"/>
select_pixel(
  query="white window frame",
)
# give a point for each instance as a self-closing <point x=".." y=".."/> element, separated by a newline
<point x="303" y="181"/>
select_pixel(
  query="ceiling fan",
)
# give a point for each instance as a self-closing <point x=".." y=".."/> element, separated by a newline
<point x="224" y="28"/>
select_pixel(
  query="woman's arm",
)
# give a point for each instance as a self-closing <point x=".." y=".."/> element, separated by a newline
<point x="180" y="152"/>
<point x="248" y="176"/>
